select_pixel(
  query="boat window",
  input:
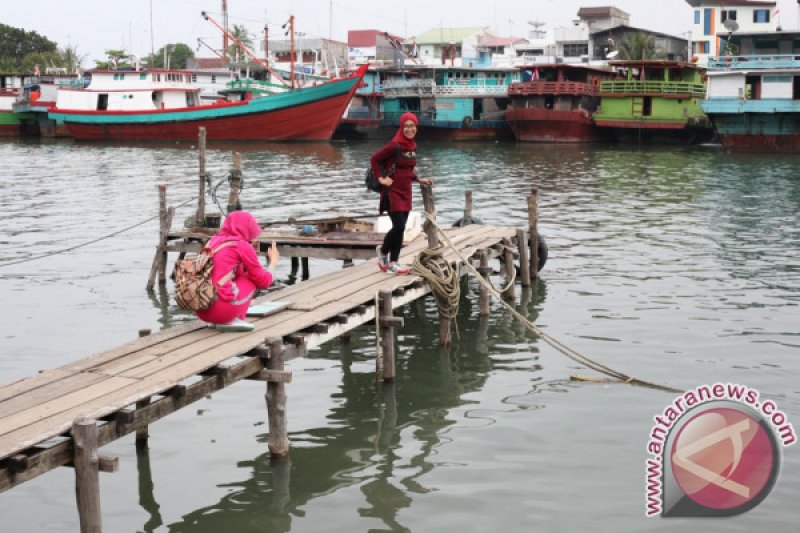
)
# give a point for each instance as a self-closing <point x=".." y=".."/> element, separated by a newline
<point x="143" y="76"/>
<point x="796" y="88"/>
<point x="102" y="102"/>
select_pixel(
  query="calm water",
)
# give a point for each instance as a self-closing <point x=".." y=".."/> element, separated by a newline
<point x="675" y="265"/>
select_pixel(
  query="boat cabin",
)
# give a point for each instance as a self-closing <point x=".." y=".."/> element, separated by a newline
<point x="129" y="90"/>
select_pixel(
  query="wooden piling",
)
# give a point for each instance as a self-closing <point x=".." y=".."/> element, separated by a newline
<point x="533" y="234"/>
<point x="484" y="270"/>
<point x="304" y="261"/>
<point x="467" y="207"/>
<point x="235" y="180"/>
<point x="387" y="323"/>
<point x="143" y="431"/>
<point x="87" y="474"/>
<point x="165" y="216"/>
<point x="430" y="209"/>
<point x="200" y="215"/>
<point x="278" y="441"/>
<point x="508" y="257"/>
<point x="433" y="242"/>
<point x="524" y="266"/>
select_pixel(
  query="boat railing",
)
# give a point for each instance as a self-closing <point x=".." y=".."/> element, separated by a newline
<point x="254" y="85"/>
<point x="666" y="88"/>
<point x="9" y="92"/>
<point x="427" y="87"/>
<point x="767" y="61"/>
<point x="535" y="88"/>
<point x="77" y="83"/>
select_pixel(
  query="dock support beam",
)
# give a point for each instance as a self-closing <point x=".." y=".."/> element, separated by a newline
<point x="235" y="180"/>
<point x="87" y="474"/>
<point x="433" y="242"/>
<point x="142" y="432"/>
<point x="387" y="323"/>
<point x="522" y="248"/>
<point x="200" y="215"/>
<point x="165" y="222"/>
<point x="278" y="441"/>
<point x="533" y="234"/>
<point x="508" y="257"/>
<point x="484" y="270"/>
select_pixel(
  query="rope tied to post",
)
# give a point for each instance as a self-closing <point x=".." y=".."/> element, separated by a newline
<point x="552" y="341"/>
<point x="442" y="278"/>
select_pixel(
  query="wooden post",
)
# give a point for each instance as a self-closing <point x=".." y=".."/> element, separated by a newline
<point x="522" y="248"/>
<point x="160" y="260"/>
<point x="200" y="216"/>
<point x="278" y="440"/>
<point x="430" y="209"/>
<point x="533" y="234"/>
<point x="484" y="292"/>
<point x="433" y="242"/>
<point x="387" y="334"/>
<point x="87" y="474"/>
<point x="467" y="208"/>
<point x="508" y="257"/>
<point x="305" y="274"/>
<point x="236" y="183"/>
<point x="142" y="432"/>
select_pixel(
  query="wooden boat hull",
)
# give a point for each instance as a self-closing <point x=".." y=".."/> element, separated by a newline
<point x="310" y="114"/>
<point x="549" y="125"/>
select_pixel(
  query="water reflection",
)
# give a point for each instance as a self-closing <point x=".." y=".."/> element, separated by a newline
<point x="368" y="426"/>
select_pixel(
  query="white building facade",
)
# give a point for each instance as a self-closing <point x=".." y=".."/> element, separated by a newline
<point x="709" y="18"/>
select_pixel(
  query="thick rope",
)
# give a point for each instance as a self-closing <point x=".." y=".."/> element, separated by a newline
<point x="564" y="349"/>
<point x="442" y="278"/>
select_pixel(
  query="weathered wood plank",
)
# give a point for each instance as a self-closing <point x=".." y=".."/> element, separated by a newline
<point x="55" y="389"/>
<point x="54" y="406"/>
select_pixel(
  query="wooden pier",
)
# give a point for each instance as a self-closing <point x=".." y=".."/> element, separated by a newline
<point x="63" y="416"/>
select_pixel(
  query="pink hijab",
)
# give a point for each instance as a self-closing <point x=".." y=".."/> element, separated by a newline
<point x="402" y="140"/>
<point x="238" y="226"/>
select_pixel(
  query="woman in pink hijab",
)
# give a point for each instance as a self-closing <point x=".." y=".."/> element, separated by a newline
<point x="401" y="152"/>
<point x="233" y="297"/>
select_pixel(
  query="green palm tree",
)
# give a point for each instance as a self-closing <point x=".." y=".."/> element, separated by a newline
<point x="71" y="59"/>
<point x="639" y="45"/>
<point x="239" y="32"/>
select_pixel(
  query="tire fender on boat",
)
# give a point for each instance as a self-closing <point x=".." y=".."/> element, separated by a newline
<point x="467" y="122"/>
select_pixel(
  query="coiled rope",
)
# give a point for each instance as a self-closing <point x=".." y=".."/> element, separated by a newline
<point x="549" y="339"/>
<point x="442" y="278"/>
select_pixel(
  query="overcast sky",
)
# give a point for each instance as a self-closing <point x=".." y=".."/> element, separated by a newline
<point x="96" y="25"/>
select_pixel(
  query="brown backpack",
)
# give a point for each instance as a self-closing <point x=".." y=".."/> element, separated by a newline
<point x="194" y="290"/>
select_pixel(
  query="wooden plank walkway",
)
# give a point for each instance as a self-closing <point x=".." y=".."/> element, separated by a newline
<point x="129" y="386"/>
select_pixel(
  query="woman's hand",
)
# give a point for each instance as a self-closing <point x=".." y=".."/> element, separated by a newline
<point x="273" y="255"/>
<point x="425" y="181"/>
<point x="386" y="182"/>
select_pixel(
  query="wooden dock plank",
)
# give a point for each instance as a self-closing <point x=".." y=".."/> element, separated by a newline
<point x="53" y="389"/>
<point x="153" y="364"/>
<point x="66" y="403"/>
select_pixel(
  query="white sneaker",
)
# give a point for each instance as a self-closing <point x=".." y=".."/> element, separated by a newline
<point x="383" y="260"/>
<point x="237" y="324"/>
<point x="400" y="270"/>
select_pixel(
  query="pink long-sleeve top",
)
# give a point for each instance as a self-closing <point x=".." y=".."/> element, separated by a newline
<point x="240" y="228"/>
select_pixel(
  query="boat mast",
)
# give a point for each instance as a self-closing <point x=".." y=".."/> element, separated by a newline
<point x="243" y="47"/>
<point x="225" y="27"/>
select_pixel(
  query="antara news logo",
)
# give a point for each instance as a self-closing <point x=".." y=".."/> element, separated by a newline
<point x="714" y="451"/>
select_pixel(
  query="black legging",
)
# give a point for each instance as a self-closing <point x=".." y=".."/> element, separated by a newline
<point x="393" y="241"/>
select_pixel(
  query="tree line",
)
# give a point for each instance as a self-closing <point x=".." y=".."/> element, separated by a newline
<point x="21" y="51"/>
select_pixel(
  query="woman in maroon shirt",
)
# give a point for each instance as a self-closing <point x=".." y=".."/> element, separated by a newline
<point x="400" y="152"/>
